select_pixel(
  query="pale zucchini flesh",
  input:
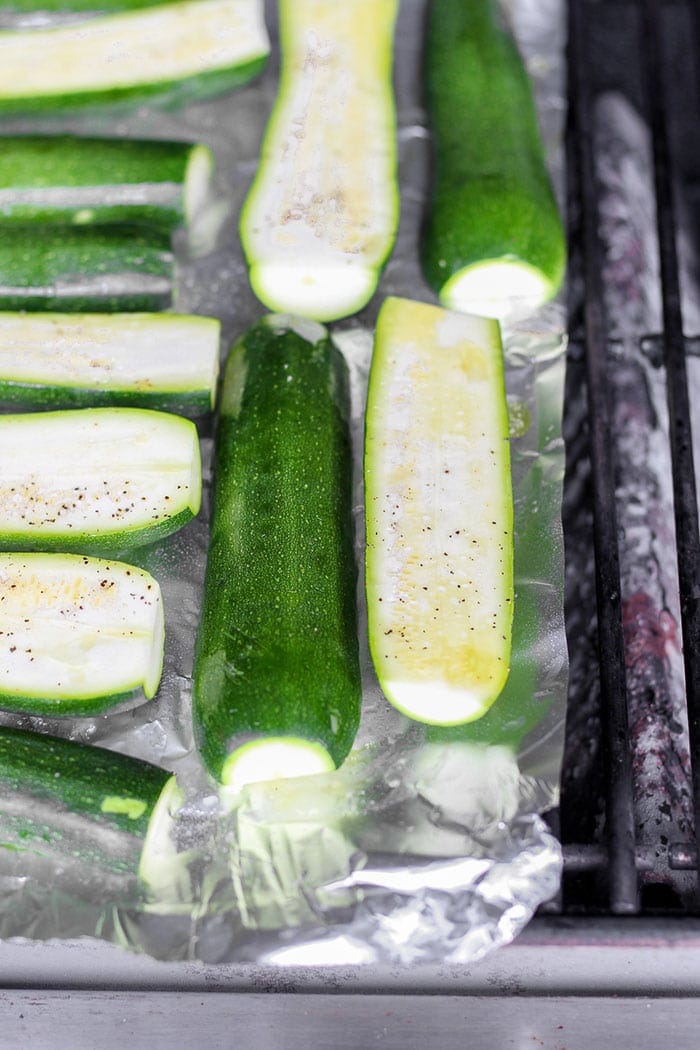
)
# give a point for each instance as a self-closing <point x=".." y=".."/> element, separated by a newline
<point x="439" y="513"/>
<point x="320" y="218"/>
<point x="190" y="47"/>
<point x="156" y="360"/>
<point x="77" y="634"/>
<point x="96" y="479"/>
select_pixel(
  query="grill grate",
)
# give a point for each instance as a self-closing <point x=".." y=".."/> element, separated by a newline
<point x="645" y="52"/>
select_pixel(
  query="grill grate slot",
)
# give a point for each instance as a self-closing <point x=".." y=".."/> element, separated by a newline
<point x="630" y="46"/>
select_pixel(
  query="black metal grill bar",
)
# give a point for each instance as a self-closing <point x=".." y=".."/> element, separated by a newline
<point x="623" y="887"/>
<point x="684" y="489"/>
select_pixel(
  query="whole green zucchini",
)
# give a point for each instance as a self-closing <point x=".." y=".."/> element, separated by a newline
<point x="82" y="180"/>
<point x="493" y="242"/>
<point x="276" y="689"/>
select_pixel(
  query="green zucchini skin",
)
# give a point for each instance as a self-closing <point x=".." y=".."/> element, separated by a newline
<point x="75" y="803"/>
<point x="71" y="179"/>
<point x="491" y="193"/>
<point x="70" y="268"/>
<point x="277" y="647"/>
<point x="170" y="53"/>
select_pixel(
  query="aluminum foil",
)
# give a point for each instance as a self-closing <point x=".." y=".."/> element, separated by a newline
<point x="425" y="846"/>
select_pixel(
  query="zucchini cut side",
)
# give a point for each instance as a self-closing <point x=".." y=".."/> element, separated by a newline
<point x="276" y="683"/>
<point x="88" y="180"/>
<point x="160" y="360"/>
<point x="493" y="242"/>
<point x="439" y="513"/>
<point x="320" y="219"/>
<point x="185" y="49"/>
<point x="78" y="635"/>
<point x="96" y="479"/>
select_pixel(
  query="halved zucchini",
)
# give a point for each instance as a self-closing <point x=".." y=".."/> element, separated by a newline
<point x="494" y="242"/>
<point x="98" y="479"/>
<point x="88" y="180"/>
<point x="78" y="635"/>
<point x="103" y="268"/>
<point x="276" y="684"/>
<point x="182" y="50"/>
<point x="161" y="360"/>
<point x="321" y="216"/>
<point x="439" y="512"/>
<point x="81" y="818"/>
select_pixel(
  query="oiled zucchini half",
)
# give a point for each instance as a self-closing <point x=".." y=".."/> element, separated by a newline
<point x="439" y="512"/>
<point x="180" y="50"/>
<point x="78" y="635"/>
<point x="155" y="360"/>
<point x="321" y="216"/>
<point x="96" y="479"/>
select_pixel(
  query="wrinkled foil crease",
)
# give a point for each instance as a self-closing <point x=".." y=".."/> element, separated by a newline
<point x="419" y="849"/>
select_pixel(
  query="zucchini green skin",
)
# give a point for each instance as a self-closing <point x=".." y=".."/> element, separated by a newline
<point x="172" y="53"/>
<point x="277" y="647"/>
<point x="71" y="179"/>
<point x="71" y="268"/>
<point x="56" y="795"/>
<point x="491" y="193"/>
<point x="161" y="361"/>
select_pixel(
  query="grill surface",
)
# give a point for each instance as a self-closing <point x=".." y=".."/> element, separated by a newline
<point x="631" y="784"/>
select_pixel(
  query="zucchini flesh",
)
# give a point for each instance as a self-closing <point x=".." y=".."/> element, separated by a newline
<point x="78" y="635"/>
<point x="70" y="179"/>
<point x="494" y="243"/>
<point x="439" y="513"/>
<point x="106" y="268"/>
<point x="159" y="361"/>
<point x="97" y="479"/>
<point x="180" y="50"/>
<point x="321" y="216"/>
<point x="276" y="686"/>
<point x="68" y="808"/>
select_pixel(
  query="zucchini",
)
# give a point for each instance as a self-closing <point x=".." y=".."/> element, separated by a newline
<point x="320" y="219"/>
<point x="276" y="685"/>
<point x="97" y="479"/>
<point x="78" y="635"/>
<point x="70" y="810"/>
<point x="494" y="242"/>
<point x="69" y="179"/>
<point x="178" y="51"/>
<point x="160" y="361"/>
<point x="106" y="268"/>
<point x="439" y="512"/>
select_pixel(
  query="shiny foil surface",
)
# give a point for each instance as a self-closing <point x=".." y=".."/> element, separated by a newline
<point x="423" y="847"/>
